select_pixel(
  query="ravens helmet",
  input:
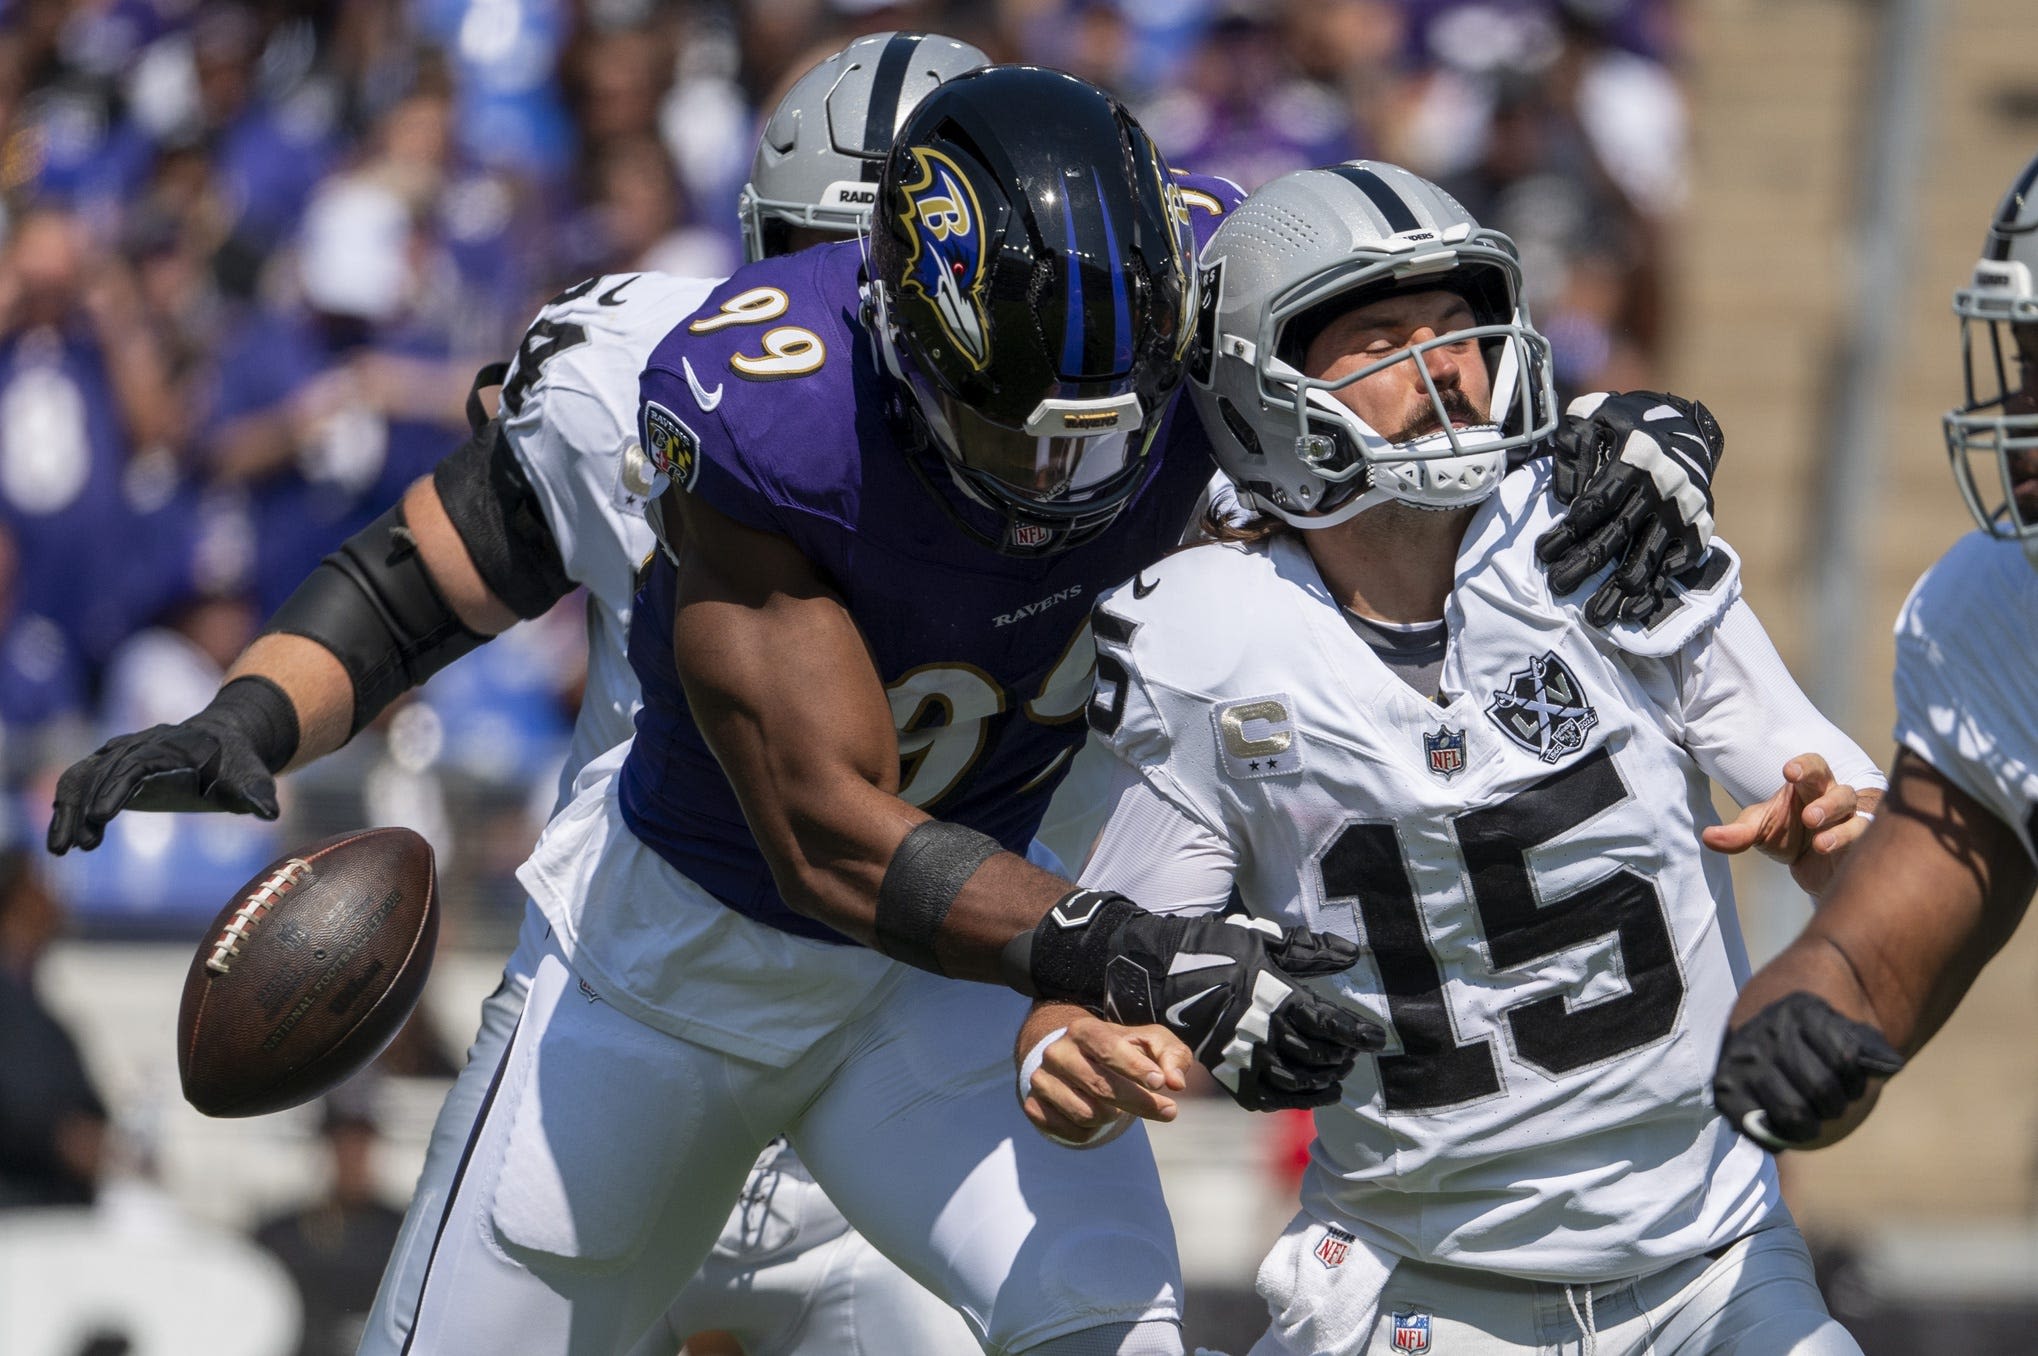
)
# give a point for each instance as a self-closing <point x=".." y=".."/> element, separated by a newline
<point x="817" y="162"/>
<point x="1031" y="287"/>
<point x="1301" y="251"/>
<point x="1993" y="437"/>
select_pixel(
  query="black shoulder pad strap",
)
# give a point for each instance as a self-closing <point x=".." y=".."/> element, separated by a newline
<point x="491" y="374"/>
<point x="373" y="604"/>
<point x="497" y="514"/>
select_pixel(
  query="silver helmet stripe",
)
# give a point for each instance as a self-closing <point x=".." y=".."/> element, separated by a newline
<point x="2010" y="217"/>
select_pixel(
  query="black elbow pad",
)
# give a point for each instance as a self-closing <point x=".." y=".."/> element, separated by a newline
<point x="374" y="605"/>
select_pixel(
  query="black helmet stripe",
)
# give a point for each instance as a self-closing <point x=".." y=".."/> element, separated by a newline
<point x="1398" y="216"/>
<point x="881" y="115"/>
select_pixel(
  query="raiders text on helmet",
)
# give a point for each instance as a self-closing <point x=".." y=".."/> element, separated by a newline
<point x="818" y="161"/>
<point x="1304" y="249"/>
<point x="1993" y="437"/>
<point x="1031" y="288"/>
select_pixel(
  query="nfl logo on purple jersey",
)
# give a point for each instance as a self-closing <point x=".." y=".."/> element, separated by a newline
<point x="1446" y="750"/>
<point x="1411" y="1332"/>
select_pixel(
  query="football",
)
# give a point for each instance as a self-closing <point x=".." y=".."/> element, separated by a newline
<point x="308" y="972"/>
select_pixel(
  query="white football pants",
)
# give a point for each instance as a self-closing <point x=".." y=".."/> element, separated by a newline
<point x="1331" y="1295"/>
<point x="605" y="1156"/>
<point x="788" y="1277"/>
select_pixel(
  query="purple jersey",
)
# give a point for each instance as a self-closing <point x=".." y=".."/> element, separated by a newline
<point x="769" y="404"/>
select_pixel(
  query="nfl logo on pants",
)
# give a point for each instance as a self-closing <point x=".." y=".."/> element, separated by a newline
<point x="1411" y="1332"/>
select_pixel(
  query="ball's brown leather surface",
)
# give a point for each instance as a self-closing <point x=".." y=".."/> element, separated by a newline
<point x="320" y="977"/>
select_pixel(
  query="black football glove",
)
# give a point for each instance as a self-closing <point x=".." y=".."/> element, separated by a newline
<point x="220" y="759"/>
<point x="1226" y="986"/>
<point x="1793" y="1065"/>
<point x="1636" y="469"/>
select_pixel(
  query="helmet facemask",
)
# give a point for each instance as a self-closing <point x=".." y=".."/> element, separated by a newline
<point x="1443" y="465"/>
<point x="768" y="223"/>
<point x="1056" y="480"/>
<point x="1992" y="439"/>
<point x="1034" y="315"/>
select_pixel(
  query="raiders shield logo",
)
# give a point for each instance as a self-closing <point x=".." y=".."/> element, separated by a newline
<point x="1543" y="709"/>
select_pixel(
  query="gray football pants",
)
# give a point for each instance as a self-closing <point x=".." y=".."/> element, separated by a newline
<point x="802" y="1283"/>
<point x="1756" y="1297"/>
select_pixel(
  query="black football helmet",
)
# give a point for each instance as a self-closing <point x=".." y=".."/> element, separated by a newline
<point x="1032" y="286"/>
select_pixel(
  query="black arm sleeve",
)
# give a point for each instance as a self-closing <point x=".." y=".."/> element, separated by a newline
<point x="374" y="605"/>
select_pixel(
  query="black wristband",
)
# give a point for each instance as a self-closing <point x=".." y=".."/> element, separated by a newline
<point x="261" y="713"/>
<point x="930" y="868"/>
<point x="1073" y="945"/>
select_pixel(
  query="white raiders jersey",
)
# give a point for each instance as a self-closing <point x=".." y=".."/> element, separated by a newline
<point x="1553" y="955"/>
<point x="1967" y="677"/>
<point x="569" y="410"/>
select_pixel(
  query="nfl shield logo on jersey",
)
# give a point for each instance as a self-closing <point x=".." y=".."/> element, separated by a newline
<point x="1411" y="1332"/>
<point x="1446" y="750"/>
<point x="1543" y="709"/>
<point x="1335" y="1247"/>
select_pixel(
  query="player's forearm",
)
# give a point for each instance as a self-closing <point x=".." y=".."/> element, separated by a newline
<point x="1929" y="895"/>
<point x="320" y="678"/>
<point x="835" y="843"/>
<point x="316" y="683"/>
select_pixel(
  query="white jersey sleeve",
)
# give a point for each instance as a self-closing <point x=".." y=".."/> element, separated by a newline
<point x="1151" y="852"/>
<point x="569" y="413"/>
<point x="1710" y="671"/>
<point x="1741" y="715"/>
<point x="1147" y="709"/>
<point x="1967" y="677"/>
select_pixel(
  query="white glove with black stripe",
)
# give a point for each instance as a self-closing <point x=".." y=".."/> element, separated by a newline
<point x="1225" y="985"/>
<point x="1636" y="469"/>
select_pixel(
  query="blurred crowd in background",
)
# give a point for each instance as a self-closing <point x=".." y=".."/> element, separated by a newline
<point x="254" y="252"/>
<point x="251" y="255"/>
